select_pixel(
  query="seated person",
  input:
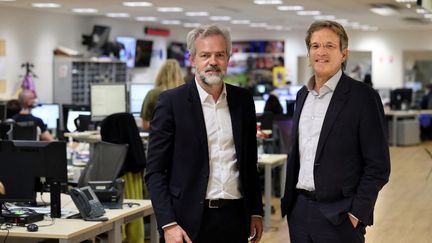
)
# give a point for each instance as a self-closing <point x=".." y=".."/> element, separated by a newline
<point x="27" y="99"/>
<point x="273" y="105"/>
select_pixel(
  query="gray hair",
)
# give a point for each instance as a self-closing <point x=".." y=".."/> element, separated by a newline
<point x="205" y="31"/>
<point x="335" y="27"/>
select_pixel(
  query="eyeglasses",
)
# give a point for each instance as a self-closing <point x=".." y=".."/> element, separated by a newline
<point x="327" y="46"/>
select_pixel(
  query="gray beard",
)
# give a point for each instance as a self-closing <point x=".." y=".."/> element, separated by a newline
<point x="211" y="80"/>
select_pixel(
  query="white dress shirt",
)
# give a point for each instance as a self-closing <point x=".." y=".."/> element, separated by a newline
<point x="223" y="181"/>
<point x="310" y="125"/>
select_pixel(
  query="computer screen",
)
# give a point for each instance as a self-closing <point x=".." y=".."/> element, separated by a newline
<point x="127" y="54"/>
<point x="24" y="161"/>
<point x="144" y="49"/>
<point x="49" y="113"/>
<point x="401" y="99"/>
<point x="259" y="105"/>
<point x="137" y="93"/>
<point x="65" y="114"/>
<point x="107" y="99"/>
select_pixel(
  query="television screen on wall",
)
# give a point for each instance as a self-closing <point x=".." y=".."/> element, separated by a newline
<point x="143" y="53"/>
<point x="127" y="53"/>
<point x="179" y="52"/>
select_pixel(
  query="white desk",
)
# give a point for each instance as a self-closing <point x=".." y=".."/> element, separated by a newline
<point x="77" y="230"/>
<point x="403" y="114"/>
<point x="270" y="161"/>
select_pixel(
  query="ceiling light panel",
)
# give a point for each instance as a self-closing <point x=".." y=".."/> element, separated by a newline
<point x="46" y="5"/>
<point x="197" y="14"/>
<point x="117" y="15"/>
<point x="290" y="8"/>
<point x="84" y="10"/>
<point x="137" y="4"/>
<point x="220" y="18"/>
<point x="146" y="18"/>
<point x="268" y="2"/>
<point x="170" y="9"/>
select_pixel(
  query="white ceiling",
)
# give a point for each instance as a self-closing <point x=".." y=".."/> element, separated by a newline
<point x="352" y="10"/>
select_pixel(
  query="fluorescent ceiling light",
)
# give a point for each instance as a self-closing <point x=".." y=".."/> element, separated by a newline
<point x="196" y="14"/>
<point x="46" y="5"/>
<point x="258" y="25"/>
<point x="267" y="2"/>
<point x="170" y="9"/>
<point x="220" y="18"/>
<point x="240" y="21"/>
<point x="171" y="22"/>
<point x="117" y="15"/>
<point x="275" y="27"/>
<point x="191" y="25"/>
<point x="7" y="0"/>
<point x="290" y="8"/>
<point x="137" y="4"/>
<point x="383" y="9"/>
<point x="325" y="17"/>
<point x="146" y="18"/>
<point x="84" y="10"/>
<point x="406" y="1"/>
<point x="308" y="13"/>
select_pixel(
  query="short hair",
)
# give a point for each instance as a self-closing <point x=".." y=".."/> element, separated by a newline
<point x="23" y="96"/>
<point x="337" y="28"/>
<point x="170" y="75"/>
<point x="205" y="31"/>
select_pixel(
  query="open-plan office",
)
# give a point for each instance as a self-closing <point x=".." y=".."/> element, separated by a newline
<point x="60" y="48"/>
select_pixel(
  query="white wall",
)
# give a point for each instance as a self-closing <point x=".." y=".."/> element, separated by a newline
<point x="32" y="35"/>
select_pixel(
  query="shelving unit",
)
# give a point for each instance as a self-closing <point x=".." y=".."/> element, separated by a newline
<point x="73" y="78"/>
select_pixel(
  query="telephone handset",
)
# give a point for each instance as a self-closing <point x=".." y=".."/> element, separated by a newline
<point x="88" y="204"/>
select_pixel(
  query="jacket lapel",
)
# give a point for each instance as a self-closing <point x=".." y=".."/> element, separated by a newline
<point x="337" y="101"/>
<point x="303" y="93"/>
<point x="236" y="119"/>
<point x="197" y="113"/>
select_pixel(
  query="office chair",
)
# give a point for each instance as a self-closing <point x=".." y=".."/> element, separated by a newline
<point x="82" y="123"/>
<point x="122" y="128"/>
<point x="105" y="163"/>
<point x="24" y="131"/>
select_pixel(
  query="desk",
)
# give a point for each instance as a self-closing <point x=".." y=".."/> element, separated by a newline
<point x="76" y="230"/>
<point x="270" y="161"/>
<point x="403" y="114"/>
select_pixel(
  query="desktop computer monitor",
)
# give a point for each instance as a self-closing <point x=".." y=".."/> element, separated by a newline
<point x="49" y="113"/>
<point x="76" y="110"/>
<point x="107" y="99"/>
<point x="24" y="161"/>
<point x="401" y="99"/>
<point x="137" y="93"/>
<point x="259" y="105"/>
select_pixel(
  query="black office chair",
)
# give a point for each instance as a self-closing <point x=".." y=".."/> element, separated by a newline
<point x="24" y="131"/>
<point x="82" y="123"/>
<point x="105" y="164"/>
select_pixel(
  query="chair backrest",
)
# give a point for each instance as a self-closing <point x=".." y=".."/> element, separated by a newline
<point x="82" y="123"/>
<point x="105" y="163"/>
<point x="121" y="128"/>
<point x="24" y="131"/>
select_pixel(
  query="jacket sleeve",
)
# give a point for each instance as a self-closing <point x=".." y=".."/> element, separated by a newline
<point x="376" y="159"/>
<point x="159" y="160"/>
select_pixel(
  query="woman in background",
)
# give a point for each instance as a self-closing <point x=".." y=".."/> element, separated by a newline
<point x="170" y="76"/>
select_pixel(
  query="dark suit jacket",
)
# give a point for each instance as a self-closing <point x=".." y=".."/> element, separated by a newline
<point x="352" y="160"/>
<point x="178" y="158"/>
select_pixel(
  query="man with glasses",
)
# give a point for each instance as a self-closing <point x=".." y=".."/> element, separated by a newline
<point x="340" y="157"/>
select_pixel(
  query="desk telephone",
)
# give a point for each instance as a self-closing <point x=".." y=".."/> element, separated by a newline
<point x="88" y="204"/>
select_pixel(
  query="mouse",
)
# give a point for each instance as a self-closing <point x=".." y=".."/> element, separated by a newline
<point x="32" y="227"/>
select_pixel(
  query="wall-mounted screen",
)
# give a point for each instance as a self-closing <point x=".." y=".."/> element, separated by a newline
<point x="107" y="99"/>
<point x="49" y="113"/>
<point x="143" y="53"/>
<point x="179" y="52"/>
<point x="127" y="53"/>
<point x="137" y="93"/>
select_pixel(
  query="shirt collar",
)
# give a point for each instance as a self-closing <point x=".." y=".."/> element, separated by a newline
<point x="331" y="83"/>
<point x="205" y="96"/>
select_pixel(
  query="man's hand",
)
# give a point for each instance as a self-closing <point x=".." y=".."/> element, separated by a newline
<point x="353" y="220"/>
<point x="256" y="229"/>
<point x="175" y="234"/>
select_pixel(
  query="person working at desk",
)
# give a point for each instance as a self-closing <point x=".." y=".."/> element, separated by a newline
<point x="169" y="76"/>
<point x="202" y="157"/>
<point x="27" y="100"/>
<point x="340" y="156"/>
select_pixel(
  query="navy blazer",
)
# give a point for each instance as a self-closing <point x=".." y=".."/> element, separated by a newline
<point x="178" y="157"/>
<point x="352" y="161"/>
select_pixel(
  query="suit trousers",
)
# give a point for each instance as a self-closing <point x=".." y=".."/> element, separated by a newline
<point x="308" y="225"/>
<point x="226" y="224"/>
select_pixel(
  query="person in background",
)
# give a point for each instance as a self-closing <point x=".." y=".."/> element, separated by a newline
<point x="368" y="79"/>
<point x="169" y="76"/>
<point x="273" y="105"/>
<point x="340" y="156"/>
<point x="202" y="155"/>
<point x="27" y="100"/>
<point x="189" y="74"/>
